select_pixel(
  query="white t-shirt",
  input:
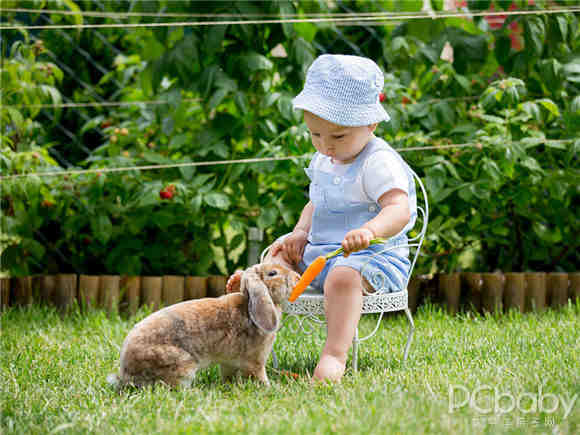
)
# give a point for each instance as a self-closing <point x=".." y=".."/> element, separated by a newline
<point x="380" y="173"/>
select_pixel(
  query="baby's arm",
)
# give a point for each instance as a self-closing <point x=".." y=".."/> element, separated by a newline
<point x="293" y="245"/>
<point x="392" y="218"/>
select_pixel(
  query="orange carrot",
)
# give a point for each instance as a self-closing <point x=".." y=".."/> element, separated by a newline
<point x="307" y="277"/>
<point x="315" y="268"/>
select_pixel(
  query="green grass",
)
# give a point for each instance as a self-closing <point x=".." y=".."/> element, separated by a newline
<point x="54" y="367"/>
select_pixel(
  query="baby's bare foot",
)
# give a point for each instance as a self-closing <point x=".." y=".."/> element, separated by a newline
<point x="329" y="368"/>
<point x="234" y="282"/>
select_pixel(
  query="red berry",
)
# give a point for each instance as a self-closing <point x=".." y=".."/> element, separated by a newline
<point x="46" y="203"/>
<point x="165" y="194"/>
<point x="405" y="100"/>
<point x="382" y="97"/>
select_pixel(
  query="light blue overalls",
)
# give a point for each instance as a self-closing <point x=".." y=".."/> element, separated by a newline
<point x="335" y="214"/>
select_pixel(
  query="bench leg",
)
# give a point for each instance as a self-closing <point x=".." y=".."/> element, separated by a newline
<point x="274" y="357"/>
<point x="355" y="351"/>
<point x="410" y="336"/>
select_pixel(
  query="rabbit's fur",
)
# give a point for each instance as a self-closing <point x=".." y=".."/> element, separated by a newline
<point x="236" y="330"/>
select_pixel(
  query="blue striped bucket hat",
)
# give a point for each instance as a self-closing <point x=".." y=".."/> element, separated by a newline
<point x="343" y="90"/>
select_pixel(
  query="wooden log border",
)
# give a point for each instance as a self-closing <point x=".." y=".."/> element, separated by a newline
<point x="457" y="292"/>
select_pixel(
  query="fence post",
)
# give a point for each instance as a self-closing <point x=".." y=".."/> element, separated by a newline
<point x="255" y="238"/>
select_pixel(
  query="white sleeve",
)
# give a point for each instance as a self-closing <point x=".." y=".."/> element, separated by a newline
<point x="382" y="172"/>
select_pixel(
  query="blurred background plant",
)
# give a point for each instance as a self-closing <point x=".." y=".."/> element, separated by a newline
<point x="506" y="88"/>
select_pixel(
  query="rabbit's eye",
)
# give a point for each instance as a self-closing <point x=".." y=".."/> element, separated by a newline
<point x="273" y="273"/>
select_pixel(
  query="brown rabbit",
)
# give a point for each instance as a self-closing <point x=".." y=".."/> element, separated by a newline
<point x="236" y="330"/>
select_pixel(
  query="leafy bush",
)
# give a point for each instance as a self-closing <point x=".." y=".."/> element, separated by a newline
<point x="505" y="203"/>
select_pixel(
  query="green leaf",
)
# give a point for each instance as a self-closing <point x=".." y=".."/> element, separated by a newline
<point x="207" y="80"/>
<point x="236" y="241"/>
<point x="546" y="234"/>
<point x="214" y="38"/>
<point x="270" y="98"/>
<point x="287" y="8"/>
<point x="555" y="145"/>
<point x="255" y="62"/>
<point x="550" y="106"/>
<point x="201" y="180"/>
<point x="151" y="48"/>
<point x="16" y="117"/>
<point x="478" y="5"/>
<point x="306" y="30"/>
<point x="445" y="113"/>
<point x="102" y="227"/>
<point x="221" y="149"/>
<point x="91" y="124"/>
<point x="467" y="129"/>
<point x="302" y="53"/>
<point x="463" y="82"/>
<point x="480" y="190"/>
<point x="532" y="109"/>
<point x="491" y="168"/>
<point x="168" y="125"/>
<point x="241" y="103"/>
<point x="152" y="157"/>
<point x="267" y="217"/>
<point x="562" y="25"/>
<point x="186" y="171"/>
<point x="217" y="98"/>
<point x="251" y="191"/>
<point x="34" y="247"/>
<point x="572" y="71"/>
<point x="178" y="141"/>
<point x="575" y="105"/>
<point x="164" y="218"/>
<point x="217" y="200"/>
<point x="435" y="179"/>
<point x="531" y="163"/>
<point x="504" y="4"/>
<point x="551" y="72"/>
<point x="78" y="16"/>
<point x="53" y="93"/>
<point x="285" y="107"/>
<point x="500" y="230"/>
<point x="534" y="35"/>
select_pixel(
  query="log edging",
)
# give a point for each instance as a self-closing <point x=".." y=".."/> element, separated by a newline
<point x="457" y="292"/>
<point x="108" y="292"/>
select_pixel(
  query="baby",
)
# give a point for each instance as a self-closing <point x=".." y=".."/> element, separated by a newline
<point x="360" y="189"/>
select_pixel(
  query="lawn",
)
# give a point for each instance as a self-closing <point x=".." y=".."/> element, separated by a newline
<point x="521" y="372"/>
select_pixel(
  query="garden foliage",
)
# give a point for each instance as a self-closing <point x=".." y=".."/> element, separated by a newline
<point x="510" y="92"/>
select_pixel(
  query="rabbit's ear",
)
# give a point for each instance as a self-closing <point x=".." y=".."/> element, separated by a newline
<point x="260" y="306"/>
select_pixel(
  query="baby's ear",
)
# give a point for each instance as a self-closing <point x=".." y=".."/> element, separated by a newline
<point x="373" y="127"/>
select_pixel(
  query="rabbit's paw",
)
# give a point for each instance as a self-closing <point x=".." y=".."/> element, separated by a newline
<point x="234" y="282"/>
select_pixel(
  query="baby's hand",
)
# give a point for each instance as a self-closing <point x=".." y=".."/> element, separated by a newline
<point x="292" y="247"/>
<point x="356" y="240"/>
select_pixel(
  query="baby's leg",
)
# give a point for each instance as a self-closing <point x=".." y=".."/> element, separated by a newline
<point x="343" y="304"/>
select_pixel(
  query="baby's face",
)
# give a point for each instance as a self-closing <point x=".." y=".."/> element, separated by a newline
<point x="340" y="143"/>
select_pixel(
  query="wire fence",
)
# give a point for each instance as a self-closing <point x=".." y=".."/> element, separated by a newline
<point x="358" y="18"/>
<point x="105" y="170"/>
<point x="347" y="17"/>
